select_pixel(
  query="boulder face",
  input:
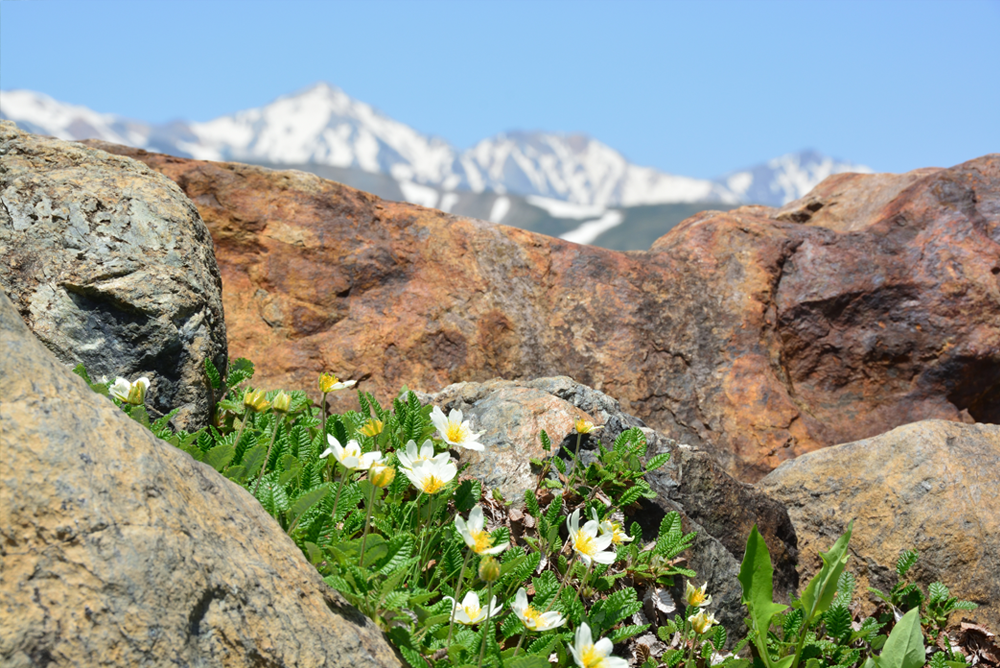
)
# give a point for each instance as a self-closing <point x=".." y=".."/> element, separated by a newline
<point x="117" y="549"/>
<point x="722" y="510"/>
<point x="111" y="266"/>
<point x="757" y="334"/>
<point x="930" y="486"/>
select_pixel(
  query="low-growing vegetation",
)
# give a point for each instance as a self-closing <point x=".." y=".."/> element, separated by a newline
<point x="457" y="575"/>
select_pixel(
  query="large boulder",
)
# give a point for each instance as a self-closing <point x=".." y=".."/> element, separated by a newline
<point x="111" y="266"/>
<point x="758" y="334"/>
<point x="930" y="486"/>
<point x="117" y="549"/>
<point x="510" y="415"/>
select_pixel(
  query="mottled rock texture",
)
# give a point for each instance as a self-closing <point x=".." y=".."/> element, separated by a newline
<point x="111" y="266"/>
<point x="117" y="549"/>
<point x="930" y="486"/>
<point x="757" y="334"/>
<point x="721" y="509"/>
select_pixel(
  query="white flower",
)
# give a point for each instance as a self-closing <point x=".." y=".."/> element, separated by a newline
<point x="618" y="534"/>
<point x="477" y="538"/>
<point x="702" y="622"/>
<point x="696" y="597"/>
<point x="330" y="383"/>
<point x="430" y="476"/>
<point x="591" y="655"/>
<point x="586" y="426"/>
<point x="532" y="619"/>
<point x="469" y="612"/>
<point x="350" y="455"/>
<point x="587" y="543"/>
<point x="130" y="393"/>
<point x="412" y="456"/>
<point x="454" y="430"/>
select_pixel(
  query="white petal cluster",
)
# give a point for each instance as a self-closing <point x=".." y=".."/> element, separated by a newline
<point x="532" y="619"/>
<point x="589" y="654"/>
<point x="469" y="612"/>
<point x="412" y="455"/>
<point x="475" y="535"/>
<point x="350" y="456"/>
<point x="587" y="543"/>
<point x="454" y="430"/>
<point x="130" y="393"/>
<point x="431" y="475"/>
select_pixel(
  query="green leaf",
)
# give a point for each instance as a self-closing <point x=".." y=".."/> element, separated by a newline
<point x="213" y="374"/>
<point x="819" y="593"/>
<point x="240" y="369"/>
<point x="533" y="661"/>
<point x="253" y="459"/>
<point x="757" y="580"/>
<point x="657" y="461"/>
<point x="219" y="456"/>
<point x="305" y="502"/>
<point x="905" y="646"/>
<point x="546" y="443"/>
<point x="139" y="414"/>
<point x="467" y="495"/>
<point x="81" y="371"/>
<point x="905" y="562"/>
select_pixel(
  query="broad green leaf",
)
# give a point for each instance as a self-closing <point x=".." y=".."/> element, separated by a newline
<point x="219" y="456"/>
<point x="253" y="459"/>
<point x="905" y="646"/>
<point x="757" y="579"/>
<point x="820" y="591"/>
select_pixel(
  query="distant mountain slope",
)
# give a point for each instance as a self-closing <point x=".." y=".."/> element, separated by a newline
<point x="569" y="186"/>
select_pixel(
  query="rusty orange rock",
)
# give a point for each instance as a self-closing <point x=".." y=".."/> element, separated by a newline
<point x="758" y="334"/>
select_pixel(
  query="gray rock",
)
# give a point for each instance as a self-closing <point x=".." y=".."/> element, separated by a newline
<point x="929" y="486"/>
<point x="720" y="508"/>
<point x="117" y="549"/>
<point x="111" y="266"/>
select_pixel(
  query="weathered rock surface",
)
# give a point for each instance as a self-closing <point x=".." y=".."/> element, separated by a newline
<point x="745" y="333"/>
<point x="117" y="549"/>
<point x="930" y="486"/>
<point x="721" y="509"/>
<point x="110" y="265"/>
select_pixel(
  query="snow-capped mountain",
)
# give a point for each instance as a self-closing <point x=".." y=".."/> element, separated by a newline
<point x="577" y="169"/>
<point x="324" y="127"/>
<point x="786" y="178"/>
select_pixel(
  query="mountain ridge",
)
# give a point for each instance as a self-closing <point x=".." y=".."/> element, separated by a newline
<point x="322" y="125"/>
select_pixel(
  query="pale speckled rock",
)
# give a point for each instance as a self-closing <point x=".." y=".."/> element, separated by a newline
<point x="929" y="486"/>
<point x="111" y="265"/>
<point x="720" y="508"/>
<point x="117" y="549"/>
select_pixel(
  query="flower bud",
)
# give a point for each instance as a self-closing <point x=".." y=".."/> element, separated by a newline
<point x="372" y="428"/>
<point x="381" y="476"/>
<point x="489" y="569"/>
<point x="137" y="393"/>
<point x="255" y="400"/>
<point x="282" y="401"/>
<point x="585" y="426"/>
<point x="702" y="622"/>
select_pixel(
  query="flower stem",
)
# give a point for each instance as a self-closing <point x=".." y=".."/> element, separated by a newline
<point x="243" y="424"/>
<point x="569" y="570"/>
<point x="364" y="536"/>
<point x="458" y="592"/>
<point x="267" y="457"/>
<point x="519" y="641"/>
<point x="486" y="627"/>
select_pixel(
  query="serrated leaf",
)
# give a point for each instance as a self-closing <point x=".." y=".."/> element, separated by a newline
<point x="306" y="501"/>
<point x="81" y="371"/>
<point x="240" y="369"/>
<point x="219" y="456"/>
<point x="214" y="379"/>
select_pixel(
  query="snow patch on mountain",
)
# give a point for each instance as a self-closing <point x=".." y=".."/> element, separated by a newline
<point x="592" y="229"/>
<point x="787" y="177"/>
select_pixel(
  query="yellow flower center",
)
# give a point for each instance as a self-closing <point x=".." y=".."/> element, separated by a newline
<point x="584" y="544"/>
<point x="697" y="597"/>
<point x="617" y="535"/>
<point x="372" y="428"/>
<point x="455" y="433"/>
<point x="432" y="485"/>
<point x="472" y="611"/>
<point x="584" y="426"/>
<point x="531" y="616"/>
<point x="482" y="540"/>
<point x="590" y="657"/>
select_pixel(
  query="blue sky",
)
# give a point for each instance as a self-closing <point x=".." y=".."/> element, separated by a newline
<point x="693" y="88"/>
